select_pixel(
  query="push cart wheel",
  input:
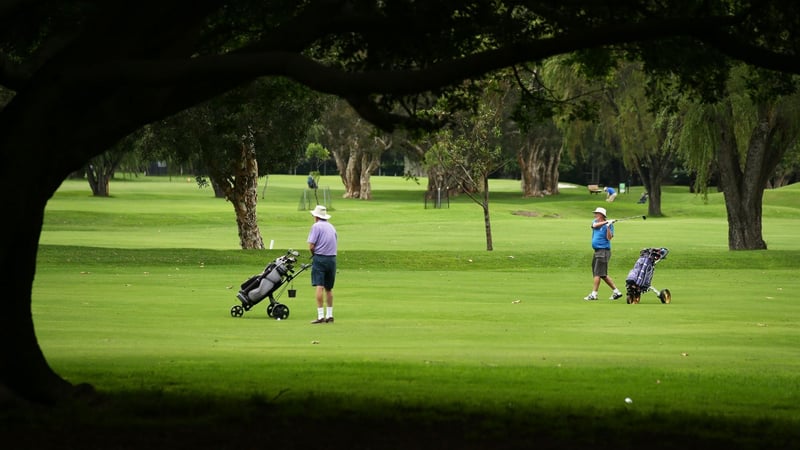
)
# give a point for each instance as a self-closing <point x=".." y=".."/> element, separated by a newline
<point x="634" y="294"/>
<point x="665" y="296"/>
<point x="270" y="309"/>
<point x="237" y="311"/>
<point x="280" y="311"/>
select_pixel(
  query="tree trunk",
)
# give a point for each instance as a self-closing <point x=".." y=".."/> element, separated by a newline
<point x="355" y="168"/>
<point x="440" y="182"/>
<point x="653" y="167"/>
<point x="744" y="221"/>
<point x="527" y="170"/>
<point x="743" y="183"/>
<point x="245" y="190"/>
<point x="364" y="185"/>
<point x="551" y="175"/>
<point x="242" y="192"/>
<point x="101" y="169"/>
<point x="24" y="372"/>
<point x="743" y="209"/>
<point x="486" y="218"/>
<point x="652" y="180"/>
<point x="98" y="181"/>
<point x="539" y="165"/>
<point x="369" y="164"/>
<point x="654" y="198"/>
<point x="346" y="163"/>
<point x="23" y="368"/>
<point x="357" y="154"/>
<point x="219" y="192"/>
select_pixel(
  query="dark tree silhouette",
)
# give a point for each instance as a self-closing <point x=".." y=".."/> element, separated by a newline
<point x="85" y="74"/>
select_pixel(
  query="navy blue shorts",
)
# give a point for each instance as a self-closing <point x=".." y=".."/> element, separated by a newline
<point x="323" y="271"/>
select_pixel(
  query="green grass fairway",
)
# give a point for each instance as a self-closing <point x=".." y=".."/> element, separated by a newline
<point x="437" y="342"/>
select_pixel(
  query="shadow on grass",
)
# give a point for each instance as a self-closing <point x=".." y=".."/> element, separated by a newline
<point x="155" y="421"/>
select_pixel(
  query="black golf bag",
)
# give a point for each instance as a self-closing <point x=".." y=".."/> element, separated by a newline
<point x="641" y="276"/>
<point x="277" y="274"/>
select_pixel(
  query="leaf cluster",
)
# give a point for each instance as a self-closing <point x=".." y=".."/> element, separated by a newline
<point x="391" y="60"/>
<point x="276" y="112"/>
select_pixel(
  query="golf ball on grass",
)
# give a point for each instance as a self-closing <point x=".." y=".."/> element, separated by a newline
<point x="628" y="400"/>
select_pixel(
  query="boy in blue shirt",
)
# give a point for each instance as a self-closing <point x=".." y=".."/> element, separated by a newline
<point x="611" y="193"/>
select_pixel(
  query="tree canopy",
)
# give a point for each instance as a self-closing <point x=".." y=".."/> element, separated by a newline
<point x="372" y="53"/>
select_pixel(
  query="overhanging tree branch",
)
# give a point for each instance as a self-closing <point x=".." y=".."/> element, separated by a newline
<point x="751" y="54"/>
<point x="400" y="82"/>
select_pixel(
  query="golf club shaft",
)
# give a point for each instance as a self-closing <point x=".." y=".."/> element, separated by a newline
<point x="632" y="217"/>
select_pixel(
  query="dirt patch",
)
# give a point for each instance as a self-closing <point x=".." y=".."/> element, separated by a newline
<point x="534" y="214"/>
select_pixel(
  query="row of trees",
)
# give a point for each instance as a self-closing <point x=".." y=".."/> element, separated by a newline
<point x="748" y="137"/>
<point x="525" y="119"/>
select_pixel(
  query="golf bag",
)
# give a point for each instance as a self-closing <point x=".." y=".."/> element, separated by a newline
<point x="641" y="276"/>
<point x="277" y="274"/>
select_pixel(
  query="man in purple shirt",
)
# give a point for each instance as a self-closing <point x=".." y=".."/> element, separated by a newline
<point x="322" y="242"/>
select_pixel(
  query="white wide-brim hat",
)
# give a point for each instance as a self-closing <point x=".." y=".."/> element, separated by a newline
<point x="601" y="211"/>
<point x="321" y="212"/>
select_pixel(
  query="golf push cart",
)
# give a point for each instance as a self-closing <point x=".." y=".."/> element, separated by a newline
<point x="640" y="277"/>
<point x="277" y="274"/>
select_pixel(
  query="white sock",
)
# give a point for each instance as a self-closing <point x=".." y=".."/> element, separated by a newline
<point x="330" y="311"/>
<point x="594" y="293"/>
<point x="616" y="291"/>
<point x="320" y="313"/>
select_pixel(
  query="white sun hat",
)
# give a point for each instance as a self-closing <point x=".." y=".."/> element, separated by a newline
<point x="321" y="212"/>
<point x="601" y="211"/>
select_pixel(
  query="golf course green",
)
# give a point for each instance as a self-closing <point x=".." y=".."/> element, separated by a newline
<point x="438" y="343"/>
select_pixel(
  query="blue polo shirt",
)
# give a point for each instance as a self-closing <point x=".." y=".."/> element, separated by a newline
<point x="599" y="239"/>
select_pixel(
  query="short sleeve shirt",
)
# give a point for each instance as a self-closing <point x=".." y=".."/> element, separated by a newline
<point x="323" y="236"/>
<point x="599" y="238"/>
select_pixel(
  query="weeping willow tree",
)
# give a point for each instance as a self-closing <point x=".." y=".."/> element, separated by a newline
<point x="582" y="105"/>
<point x="743" y="137"/>
<point x="617" y="117"/>
<point x="647" y="131"/>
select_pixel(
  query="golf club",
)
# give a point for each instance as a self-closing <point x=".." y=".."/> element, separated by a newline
<point x="631" y="218"/>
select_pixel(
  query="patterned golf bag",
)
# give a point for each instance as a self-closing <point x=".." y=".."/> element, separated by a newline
<point x="639" y="279"/>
